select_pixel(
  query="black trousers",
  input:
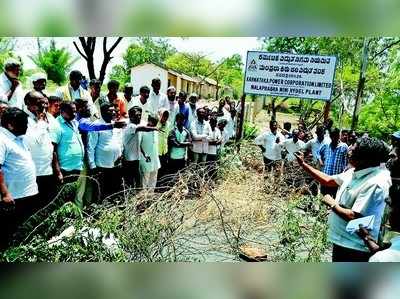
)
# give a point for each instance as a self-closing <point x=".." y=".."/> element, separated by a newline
<point x="14" y="215"/>
<point x="175" y="165"/>
<point x="47" y="185"/>
<point x="131" y="173"/>
<point x="342" y="254"/>
<point x="70" y="176"/>
<point x="110" y="180"/>
<point x="163" y="171"/>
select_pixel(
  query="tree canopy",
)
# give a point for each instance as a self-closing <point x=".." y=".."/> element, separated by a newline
<point x="381" y="84"/>
<point x="56" y="62"/>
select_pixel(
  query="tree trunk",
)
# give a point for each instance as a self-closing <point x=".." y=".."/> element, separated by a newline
<point x="361" y="84"/>
<point x="273" y="108"/>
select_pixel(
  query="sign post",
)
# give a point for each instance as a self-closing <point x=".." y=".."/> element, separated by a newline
<point x="289" y="75"/>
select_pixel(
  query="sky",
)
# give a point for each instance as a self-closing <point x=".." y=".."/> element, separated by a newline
<point x="214" y="47"/>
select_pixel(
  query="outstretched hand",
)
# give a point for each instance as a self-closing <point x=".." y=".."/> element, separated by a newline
<point x="300" y="158"/>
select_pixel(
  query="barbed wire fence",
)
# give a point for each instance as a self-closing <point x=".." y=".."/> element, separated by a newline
<point x="200" y="216"/>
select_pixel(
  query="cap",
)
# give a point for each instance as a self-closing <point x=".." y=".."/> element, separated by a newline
<point x="38" y="76"/>
<point x="11" y="62"/>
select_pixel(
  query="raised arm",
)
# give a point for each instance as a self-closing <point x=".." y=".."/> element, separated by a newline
<point x="319" y="176"/>
<point x="86" y="125"/>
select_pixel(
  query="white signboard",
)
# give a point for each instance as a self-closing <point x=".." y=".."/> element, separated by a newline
<point x="289" y="75"/>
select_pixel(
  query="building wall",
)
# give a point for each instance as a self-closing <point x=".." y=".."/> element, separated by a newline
<point x="172" y="80"/>
<point x="142" y="75"/>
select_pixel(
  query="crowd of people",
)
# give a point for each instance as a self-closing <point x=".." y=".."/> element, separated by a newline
<point x="121" y="140"/>
<point x="135" y="142"/>
<point x="358" y="177"/>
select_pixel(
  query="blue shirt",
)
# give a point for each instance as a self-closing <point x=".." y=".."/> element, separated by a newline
<point x="70" y="149"/>
<point x="335" y="159"/>
<point x="184" y="109"/>
<point x="104" y="148"/>
<point x="86" y="125"/>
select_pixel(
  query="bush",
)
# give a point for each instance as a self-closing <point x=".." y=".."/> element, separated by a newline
<point x="250" y="130"/>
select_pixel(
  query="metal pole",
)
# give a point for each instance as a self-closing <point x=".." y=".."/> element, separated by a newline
<point x="239" y="132"/>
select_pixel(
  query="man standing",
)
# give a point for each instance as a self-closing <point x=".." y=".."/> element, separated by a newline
<point x="112" y="98"/>
<point x="149" y="160"/>
<point x="10" y="87"/>
<point x="73" y="90"/>
<point x="200" y="130"/>
<point x="163" y="127"/>
<point x="128" y="93"/>
<point x="142" y="101"/>
<point x="315" y="145"/>
<point x="18" y="188"/>
<point x="131" y="150"/>
<point x="40" y="145"/>
<point x="184" y="108"/>
<point x="53" y="111"/>
<point x="214" y="139"/>
<point x="104" y="149"/>
<point x="193" y="98"/>
<point x="39" y="81"/>
<point x="293" y="145"/>
<point x="270" y="144"/>
<point x="94" y="89"/>
<point x="157" y="100"/>
<point x="179" y="140"/>
<point x="68" y="143"/>
<point x="173" y="107"/>
<point x="333" y="159"/>
<point x="362" y="192"/>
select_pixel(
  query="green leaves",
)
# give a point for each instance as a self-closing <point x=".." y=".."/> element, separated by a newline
<point x="147" y="50"/>
<point x="56" y="62"/>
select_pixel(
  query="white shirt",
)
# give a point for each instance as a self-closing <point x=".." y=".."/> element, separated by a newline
<point x="104" y="147"/>
<point x="230" y="125"/>
<point x="146" y="108"/>
<point x="157" y="101"/>
<point x="40" y="145"/>
<point x="130" y="142"/>
<point x="79" y="93"/>
<point x="213" y="136"/>
<point x="392" y="254"/>
<point x="200" y="132"/>
<point x="17" y="99"/>
<point x="148" y="141"/>
<point x="53" y="123"/>
<point x="173" y="109"/>
<point x="192" y="114"/>
<point x="17" y="165"/>
<point x="74" y="94"/>
<point x="315" y="146"/>
<point x="364" y="192"/>
<point x="273" y="151"/>
<point x="292" y="148"/>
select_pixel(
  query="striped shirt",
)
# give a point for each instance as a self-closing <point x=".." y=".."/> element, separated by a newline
<point x="335" y="159"/>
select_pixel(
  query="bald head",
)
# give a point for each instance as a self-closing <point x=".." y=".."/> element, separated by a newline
<point x="36" y="102"/>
